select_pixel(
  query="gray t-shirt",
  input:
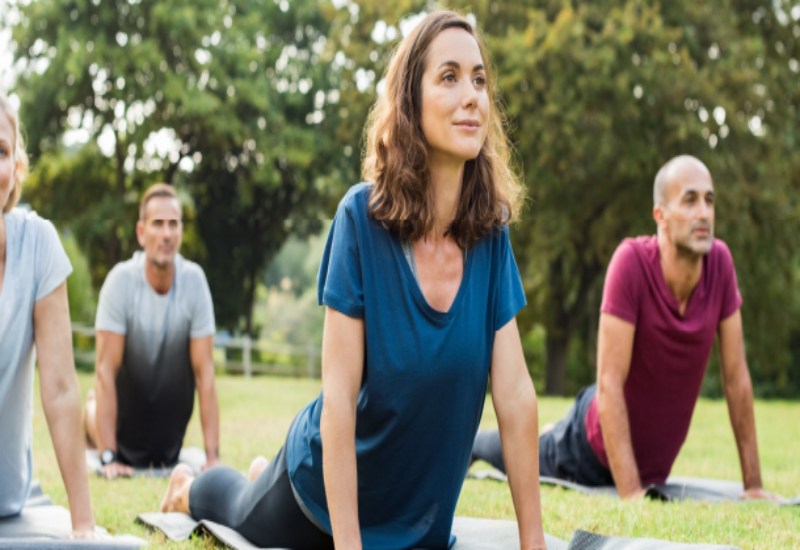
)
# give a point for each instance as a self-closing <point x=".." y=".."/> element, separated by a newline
<point x="155" y="383"/>
<point x="36" y="265"/>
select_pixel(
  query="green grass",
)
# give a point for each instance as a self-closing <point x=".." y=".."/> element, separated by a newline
<point x="256" y="414"/>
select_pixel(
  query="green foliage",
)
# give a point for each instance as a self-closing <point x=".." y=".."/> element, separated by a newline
<point x="228" y="100"/>
<point x="262" y="106"/>
<point x="82" y="300"/>
<point x="600" y="95"/>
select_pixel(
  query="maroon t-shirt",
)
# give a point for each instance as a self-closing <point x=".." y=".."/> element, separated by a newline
<point x="670" y="350"/>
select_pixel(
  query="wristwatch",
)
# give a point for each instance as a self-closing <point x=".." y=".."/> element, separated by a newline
<point x="107" y="457"/>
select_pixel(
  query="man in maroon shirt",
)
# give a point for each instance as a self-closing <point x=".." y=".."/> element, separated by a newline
<point x="665" y="298"/>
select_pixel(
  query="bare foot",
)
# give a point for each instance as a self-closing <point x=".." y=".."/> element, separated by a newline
<point x="256" y="467"/>
<point x="177" y="497"/>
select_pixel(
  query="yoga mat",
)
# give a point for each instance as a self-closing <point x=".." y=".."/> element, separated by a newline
<point x="584" y="540"/>
<point x="193" y="457"/>
<point x="471" y="533"/>
<point x="43" y="525"/>
<point x="676" y="488"/>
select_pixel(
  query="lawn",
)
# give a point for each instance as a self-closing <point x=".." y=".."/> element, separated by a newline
<point x="256" y="414"/>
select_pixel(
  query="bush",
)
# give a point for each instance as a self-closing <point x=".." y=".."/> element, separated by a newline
<point x="82" y="300"/>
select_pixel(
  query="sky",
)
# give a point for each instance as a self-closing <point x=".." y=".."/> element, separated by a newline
<point x="6" y="59"/>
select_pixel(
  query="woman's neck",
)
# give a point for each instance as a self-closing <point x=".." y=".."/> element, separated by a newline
<point x="446" y="180"/>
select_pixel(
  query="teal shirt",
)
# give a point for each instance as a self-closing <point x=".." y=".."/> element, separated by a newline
<point x="424" y="382"/>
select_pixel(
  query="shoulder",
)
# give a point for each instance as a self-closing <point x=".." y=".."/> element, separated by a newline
<point x="720" y="250"/>
<point x="720" y="257"/>
<point x="126" y="270"/>
<point x="357" y="198"/>
<point x="635" y="251"/>
<point x="29" y="222"/>
<point x="189" y="270"/>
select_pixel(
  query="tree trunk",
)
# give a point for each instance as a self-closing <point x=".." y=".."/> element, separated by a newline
<point x="557" y="348"/>
<point x="250" y="297"/>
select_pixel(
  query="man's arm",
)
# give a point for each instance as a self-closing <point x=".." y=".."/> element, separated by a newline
<point x="739" y="395"/>
<point x="614" y="349"/>
<point x="515" y="404"/>
<point x="200" y="353"/>
<point x="61" y="401"/>
<point x="108" y="360"/>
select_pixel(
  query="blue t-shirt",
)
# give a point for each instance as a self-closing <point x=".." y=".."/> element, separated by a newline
<point x="36" y="265"/>
<point x="424" y="381"/>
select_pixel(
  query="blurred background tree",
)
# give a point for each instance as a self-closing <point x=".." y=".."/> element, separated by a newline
<point x="224" y="99"/>
<point x="256" y="109"/>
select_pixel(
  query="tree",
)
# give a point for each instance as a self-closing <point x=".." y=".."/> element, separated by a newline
<point x="226" y="99"/>
<point x="599" y="95"/>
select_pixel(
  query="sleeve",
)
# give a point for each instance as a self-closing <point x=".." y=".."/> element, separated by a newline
<point x="340" y="282"/>
<point x="112" y="303"/>
<point x="511" y="295"/>
<point x="203" y="323"/>
<point x="52" y="264"/>
<point x="731" y="298"/>
<point x="622" y="284"/>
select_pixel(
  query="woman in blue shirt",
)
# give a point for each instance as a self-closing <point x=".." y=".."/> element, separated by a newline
<point x="421" y="291"/>
<point x="34" y="313"/>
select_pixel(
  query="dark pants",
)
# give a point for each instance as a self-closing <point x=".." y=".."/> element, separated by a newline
<point x="564" y="451"/>
<point x="264" y="511"/>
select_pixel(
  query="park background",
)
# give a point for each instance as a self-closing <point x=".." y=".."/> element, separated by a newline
<point x="254" y="111"/>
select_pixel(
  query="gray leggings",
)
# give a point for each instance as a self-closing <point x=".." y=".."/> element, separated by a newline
<point x="264" y="511"/>
<point x="564" y="451"/>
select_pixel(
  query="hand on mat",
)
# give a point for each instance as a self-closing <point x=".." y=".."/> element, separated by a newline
<point x="758" y="493"/>
<point x="92" y="533"/>
<point x="637" y="494"/>
<point x="117" y="469"/>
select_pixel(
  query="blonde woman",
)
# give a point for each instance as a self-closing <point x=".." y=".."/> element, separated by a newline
<point x="34" y="315"/>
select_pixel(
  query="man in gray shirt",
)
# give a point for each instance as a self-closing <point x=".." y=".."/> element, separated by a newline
<point x="155" y="329"/>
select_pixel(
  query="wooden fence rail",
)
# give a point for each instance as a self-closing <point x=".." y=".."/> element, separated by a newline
<point x="239" y="354"/>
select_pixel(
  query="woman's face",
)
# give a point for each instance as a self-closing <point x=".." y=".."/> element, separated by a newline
<point x="455" y="100"/>
<point x="7" y="162"/>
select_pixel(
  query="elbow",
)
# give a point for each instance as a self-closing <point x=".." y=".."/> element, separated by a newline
<point x="338" y="416"/>
<point x="522" y="403"/>
<point x="609" y="392"/>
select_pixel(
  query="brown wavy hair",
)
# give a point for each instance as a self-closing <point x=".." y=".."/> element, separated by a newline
<point x="20" y="158"/>
<point x="396" y="153"/>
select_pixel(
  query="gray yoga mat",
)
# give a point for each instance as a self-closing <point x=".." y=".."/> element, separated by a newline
<point x="676" y="488"/>
<point x="584" y="540"/>
<point x="193" y="457"/>
<point x="43" y="525"/>
<point x="471" y="533"/>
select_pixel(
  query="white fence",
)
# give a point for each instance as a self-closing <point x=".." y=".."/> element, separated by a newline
<point x="239" y="355"/>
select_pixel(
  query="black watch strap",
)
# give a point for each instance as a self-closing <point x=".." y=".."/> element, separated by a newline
<point x="107" y="457"/>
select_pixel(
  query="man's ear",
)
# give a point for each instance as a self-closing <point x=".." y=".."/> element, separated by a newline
<point x="658" y="214"/>
<point x="140" y="232"/>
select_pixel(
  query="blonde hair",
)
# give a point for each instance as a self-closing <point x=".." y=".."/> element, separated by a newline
<point x="20" y="158"/>
<point x="396" y="155"/>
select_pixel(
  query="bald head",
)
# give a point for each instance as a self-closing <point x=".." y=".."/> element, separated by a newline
<point x="676" y="169"/>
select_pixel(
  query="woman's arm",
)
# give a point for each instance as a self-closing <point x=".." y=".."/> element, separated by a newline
<point x="62" y="402"/>
<point x="515" y="405"/>
<point x="342" y="369"/>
